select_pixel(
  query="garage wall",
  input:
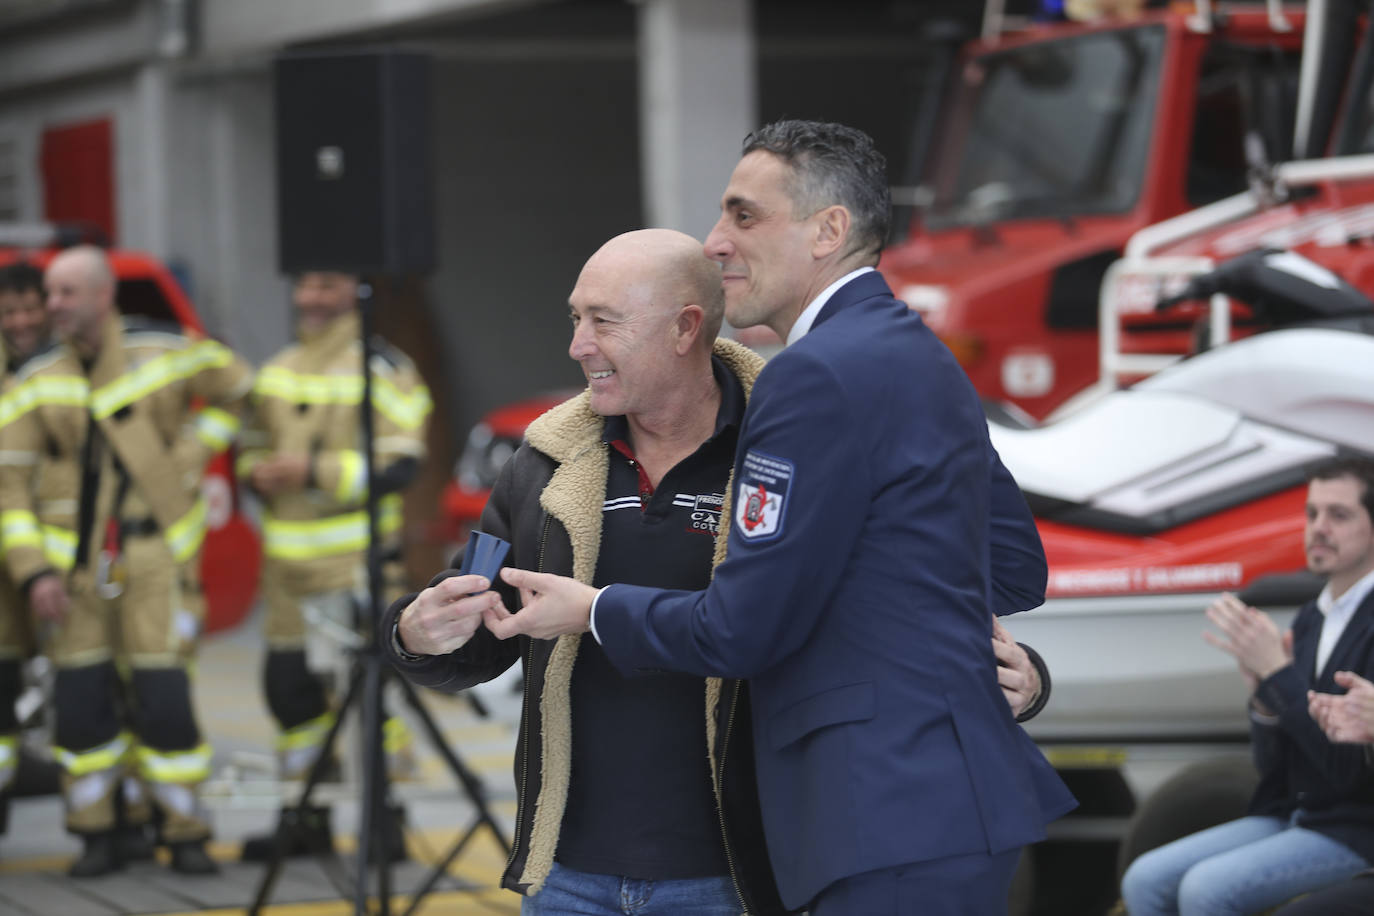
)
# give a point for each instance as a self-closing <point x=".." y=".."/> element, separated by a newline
<point x="538" y="166"/>
<point x="537" y="139"/>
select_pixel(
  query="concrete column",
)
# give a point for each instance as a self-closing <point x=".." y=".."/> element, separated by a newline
<point x="697" y="100"/>
<point x="144" y="214"/>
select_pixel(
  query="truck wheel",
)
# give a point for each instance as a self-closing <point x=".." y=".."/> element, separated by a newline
<point x="1200" y="796"/>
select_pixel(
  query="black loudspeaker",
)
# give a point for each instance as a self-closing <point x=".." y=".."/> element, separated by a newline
<point x="354" y="165"/>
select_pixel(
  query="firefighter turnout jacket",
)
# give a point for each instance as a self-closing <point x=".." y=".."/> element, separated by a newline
<point x="307" y="402"/>
<point x="100" y="471"/>
<point x="16" y="643"/>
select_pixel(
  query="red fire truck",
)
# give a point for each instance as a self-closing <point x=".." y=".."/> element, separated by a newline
<point x="1055" y="143"/>
<point x="1234" y="354"/>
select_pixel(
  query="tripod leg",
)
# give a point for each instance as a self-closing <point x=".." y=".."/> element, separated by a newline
<point x="442" y="868"/>
<point x="472" y="784"/>
<point x="477" y="705"/>
<point x="373" y="790"/>
<point x="317" y="769"/>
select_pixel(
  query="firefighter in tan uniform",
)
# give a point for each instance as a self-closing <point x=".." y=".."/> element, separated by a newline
<point x="103" y="443"/>
<point x="24" y="330"/>
<point x="302" y="453"/>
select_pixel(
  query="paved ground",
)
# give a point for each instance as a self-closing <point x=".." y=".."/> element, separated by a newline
<point x="243" y="800"/>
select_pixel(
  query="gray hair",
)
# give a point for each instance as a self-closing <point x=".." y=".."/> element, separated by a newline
<point x="832" y="164"/>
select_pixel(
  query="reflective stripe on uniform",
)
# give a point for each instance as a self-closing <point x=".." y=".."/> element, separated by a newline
<point x="308" y="734"/>
<point x="12" y="459"/>
<point x="157" y="373"/>
<point x="395" y="735"/>
<point x="246" y="461"/>
<point x="105" y="757"/>
<point x="19" y="528"/>
<point x="298" y="388"/>
<point x="400" y="445"/>
<point x="352" y="476"/>
<point x="405" y="410"/>
<point x="216" y="428"/>
<point x="306" y="540"/>
<point x="9" y="758"/>
<point x="175" y="766"/>
<point x="187" y="533"/>
<point x="59" y="547"/>
<point x="66" y="390"/>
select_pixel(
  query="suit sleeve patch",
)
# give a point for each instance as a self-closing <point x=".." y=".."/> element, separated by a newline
<point x="762" y="499"/>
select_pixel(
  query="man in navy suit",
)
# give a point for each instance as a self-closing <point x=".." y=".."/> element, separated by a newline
<point x="869" y="510"/>
<point x="1311" y="820"/>
<point x="1349" y="718"/>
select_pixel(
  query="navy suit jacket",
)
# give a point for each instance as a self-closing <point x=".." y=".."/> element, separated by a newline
<point x="855" y="597"/>
<point x="1300" y="768"/>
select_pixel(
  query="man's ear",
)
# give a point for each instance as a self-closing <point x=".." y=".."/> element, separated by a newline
<point x="687" y="328"/>
<point x="832" y="231"/>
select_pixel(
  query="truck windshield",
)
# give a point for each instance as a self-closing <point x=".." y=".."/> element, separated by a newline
<point x="1053" y="129"/>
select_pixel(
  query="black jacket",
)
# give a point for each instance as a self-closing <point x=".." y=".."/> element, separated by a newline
<point x="1300" y="768"/>
<point x="548" y="504"/>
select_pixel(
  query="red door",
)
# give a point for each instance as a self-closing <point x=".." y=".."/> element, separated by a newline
<point x="77" y="161"/>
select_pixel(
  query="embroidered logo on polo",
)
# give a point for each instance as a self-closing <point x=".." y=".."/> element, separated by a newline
<point x="704" y="509"/>
<point x="762" y="499"/>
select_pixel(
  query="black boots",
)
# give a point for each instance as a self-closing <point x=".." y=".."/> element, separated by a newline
<point x="110" y="851"/>
<point x="98" y="858"/>
<point x="305" y="834"/>
<point x="190" y="858"/>
<point x="133" y="844"/>
<point x="392" y="834"/>
<point x="310" y="834"/>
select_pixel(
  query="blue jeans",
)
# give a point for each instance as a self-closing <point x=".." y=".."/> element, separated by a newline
<point x="1234" y="869"/>
<point x="578" y="893"/>
<point x="969" y="885"/>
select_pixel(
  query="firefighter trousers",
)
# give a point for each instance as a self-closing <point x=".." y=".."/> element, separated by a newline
<point x="16" y="644"/>
<point x="122" y="693"/>
<point x="306" y="637"/>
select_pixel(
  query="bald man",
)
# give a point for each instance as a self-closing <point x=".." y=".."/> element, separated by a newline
<point x="104" y="439"/>
<point x="622" y="483"/>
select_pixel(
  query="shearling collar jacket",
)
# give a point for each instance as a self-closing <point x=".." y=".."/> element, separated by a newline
<point x="548" y="504"/>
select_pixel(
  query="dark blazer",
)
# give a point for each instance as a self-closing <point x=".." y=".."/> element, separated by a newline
<point x="855" y="598"/>
<point x="1300" y="768"/>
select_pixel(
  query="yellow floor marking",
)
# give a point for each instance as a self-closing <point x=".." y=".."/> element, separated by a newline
<point x="480" y="863"/>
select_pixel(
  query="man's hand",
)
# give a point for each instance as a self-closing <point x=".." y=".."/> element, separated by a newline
<point x="280" y="473"/>
<point x="1018" y="678"/>
<point x="552" y="606"/>
<point x="1349" y="717"/>
<point x="48" y="598"/>
<point x="444" y="616"/>
<point x="1250" y="637"/>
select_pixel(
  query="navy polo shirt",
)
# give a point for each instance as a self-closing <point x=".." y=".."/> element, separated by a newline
<point x="640" y="803"/>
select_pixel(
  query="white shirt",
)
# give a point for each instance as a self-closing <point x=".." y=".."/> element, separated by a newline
<point x="1338" y="612"/>
<point x="808" y="315"/>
